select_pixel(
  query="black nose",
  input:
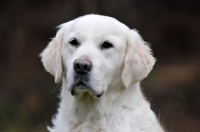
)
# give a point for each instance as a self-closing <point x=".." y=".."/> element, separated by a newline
<point x="82" y="66"/>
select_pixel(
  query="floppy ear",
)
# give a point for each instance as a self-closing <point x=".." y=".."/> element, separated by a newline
<point x="51" y="56"/>
<point x="138" y="60"/>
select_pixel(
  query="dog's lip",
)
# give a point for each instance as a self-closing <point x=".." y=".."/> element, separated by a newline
<point x="75" y="88"/>
<point x="80" y="83"/>
<point x="73" y="93"/>
<point x="99" y="95"/>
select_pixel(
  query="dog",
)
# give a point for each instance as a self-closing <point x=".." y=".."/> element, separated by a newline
<point x="100" y="62"/>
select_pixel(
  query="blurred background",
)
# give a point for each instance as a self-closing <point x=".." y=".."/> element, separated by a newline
<point x="28" y="94"/>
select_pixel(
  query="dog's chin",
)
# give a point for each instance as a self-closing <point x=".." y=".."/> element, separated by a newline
<point x="81" y="89"/>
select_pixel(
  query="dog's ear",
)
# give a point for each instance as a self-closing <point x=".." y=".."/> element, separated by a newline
<point x="51" y="56"/>
<point x="138" y="60"/>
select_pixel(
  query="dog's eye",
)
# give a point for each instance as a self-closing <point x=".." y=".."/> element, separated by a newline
<point x="74" y="42"/>
<point x="106" y="45"/>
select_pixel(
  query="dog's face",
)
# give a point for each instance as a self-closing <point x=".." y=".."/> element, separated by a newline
<point x="94" y="53"/>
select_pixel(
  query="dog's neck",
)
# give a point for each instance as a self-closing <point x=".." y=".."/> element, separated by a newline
<point x="87" y="107"/>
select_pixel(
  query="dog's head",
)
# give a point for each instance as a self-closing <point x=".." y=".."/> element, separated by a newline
<point x="93" y="53"/>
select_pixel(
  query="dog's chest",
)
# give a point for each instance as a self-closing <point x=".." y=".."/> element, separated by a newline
<point x="115" y="121"/>
<point x="90" y="126"/>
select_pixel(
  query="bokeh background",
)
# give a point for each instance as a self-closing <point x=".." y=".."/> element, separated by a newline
<point x="28" y="94"/>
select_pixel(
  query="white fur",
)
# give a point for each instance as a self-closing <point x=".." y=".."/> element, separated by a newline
<point x="116" y="72"/>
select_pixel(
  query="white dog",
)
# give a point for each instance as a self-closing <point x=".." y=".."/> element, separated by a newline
<point x="101" y="63"/>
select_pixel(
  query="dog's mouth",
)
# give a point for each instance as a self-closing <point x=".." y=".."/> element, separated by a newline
<point x="82" y="86"/>
<point x="74" y="93"/>
<point x="81" y="81"/>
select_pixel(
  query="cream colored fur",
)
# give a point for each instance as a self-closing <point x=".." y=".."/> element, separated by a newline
<point x="116" y="72"/>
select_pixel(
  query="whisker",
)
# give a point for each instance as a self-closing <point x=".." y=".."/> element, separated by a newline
<point x="56" y="87"/>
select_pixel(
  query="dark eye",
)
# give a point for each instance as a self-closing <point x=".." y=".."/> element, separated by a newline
<point x="106" y="45"/>
<point x="74" y="42"/>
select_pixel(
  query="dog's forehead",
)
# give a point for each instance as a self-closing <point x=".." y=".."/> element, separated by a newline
<point x="96" y="23"/>
<point x="95" y="19"/>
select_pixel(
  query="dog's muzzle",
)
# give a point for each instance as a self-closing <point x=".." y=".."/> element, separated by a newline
<point x="82" y="68"/>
